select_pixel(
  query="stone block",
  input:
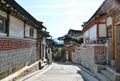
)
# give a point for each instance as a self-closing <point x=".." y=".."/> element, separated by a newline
<point x="117" y="77"/>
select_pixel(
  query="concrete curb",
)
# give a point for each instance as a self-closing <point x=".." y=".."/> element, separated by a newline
<point x="87" y="75"/>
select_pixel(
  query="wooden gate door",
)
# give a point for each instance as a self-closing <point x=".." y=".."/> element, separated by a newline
<point x="117" y="48"/>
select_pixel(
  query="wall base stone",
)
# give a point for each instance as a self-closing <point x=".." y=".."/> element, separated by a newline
<point x="117" y="77"/>
<point x="22" y="72"/>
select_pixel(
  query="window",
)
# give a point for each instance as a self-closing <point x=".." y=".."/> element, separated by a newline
<point x="31" y="32"/>
<point x="2" y="25"/>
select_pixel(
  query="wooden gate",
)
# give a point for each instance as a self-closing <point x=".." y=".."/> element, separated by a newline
<point x="117" y="48"/>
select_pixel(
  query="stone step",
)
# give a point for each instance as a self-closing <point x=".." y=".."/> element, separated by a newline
<point x="108" y="74"/>
<point x="110" y="69"/>
<point x="43" y="64"/>
<point x="101" y="77"/>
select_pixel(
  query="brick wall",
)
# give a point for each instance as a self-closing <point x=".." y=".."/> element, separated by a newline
<point x="100" y="53"/>
<point x="16" y="53"/>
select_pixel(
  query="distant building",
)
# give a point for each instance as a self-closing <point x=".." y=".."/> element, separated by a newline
<point x="70" y="43"/>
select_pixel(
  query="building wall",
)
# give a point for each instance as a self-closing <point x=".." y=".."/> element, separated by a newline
<point x="43" y="46"/>
<point x="102" y="30"/>
<point x="35" y="33"/>
<point x="93" y="32"/>
<point x="15" y="53"/>
<point x="16" y="27"/>
<point x="90" y="54"/>
<point x="15" y="50"/>
<point x="27" y="31"/>
<point x="109" y="21"/>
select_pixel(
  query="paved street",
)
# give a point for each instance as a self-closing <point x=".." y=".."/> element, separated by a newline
<point x="58" y="72"/>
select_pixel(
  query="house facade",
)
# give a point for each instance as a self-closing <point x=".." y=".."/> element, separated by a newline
<point x="45" y="55"/>
<point x="101" y="32"/>
<point x="70" y="43"/>
<point x="19" y="38"/>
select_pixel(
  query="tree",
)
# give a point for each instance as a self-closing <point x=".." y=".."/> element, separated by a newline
<point x="60" y="54"/>
<point x="79" y="39"/>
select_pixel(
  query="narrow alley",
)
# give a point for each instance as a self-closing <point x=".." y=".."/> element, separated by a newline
<point x="58" y="72"/>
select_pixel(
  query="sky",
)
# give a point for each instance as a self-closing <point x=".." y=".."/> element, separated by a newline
<point x="58" y="16"/>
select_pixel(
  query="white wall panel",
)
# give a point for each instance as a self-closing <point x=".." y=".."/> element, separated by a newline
<point x="35" y="33"/>
<point x="102" y="30"/>
<point x="109" y="21"/>
<point x="27" y="30"/>
<point x="93" y="33"/>
<point x="16" y="27"/>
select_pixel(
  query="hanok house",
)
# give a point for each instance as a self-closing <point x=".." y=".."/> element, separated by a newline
<point x="45" y="49"/>
<point x="19" y="39"/>
<point x="70" y="43"/>
<point x="101" y="45"/>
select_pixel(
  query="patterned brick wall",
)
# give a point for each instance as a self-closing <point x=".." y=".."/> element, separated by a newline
<point x="10" y="44"/>
<point x="100" y="53"/>
<point x="16" y="52"/>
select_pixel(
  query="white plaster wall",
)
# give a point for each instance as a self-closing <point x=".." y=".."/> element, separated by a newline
<point x="3" y="14"/>
<point x="16" y="27"/>
<point x="35" y="33"/>
<point x="93" y="32"/>
<point x="44" y="41"/>
<point x="109" y="21"/>
<point x="102" y="30"/>
<point x="27" y="30"/>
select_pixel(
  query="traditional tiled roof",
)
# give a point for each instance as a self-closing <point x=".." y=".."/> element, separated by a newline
<point x="45" y="33"/>
<point x="13" y="6"/>
<point x="74" y="31"/>
<point x="94" y="16"/>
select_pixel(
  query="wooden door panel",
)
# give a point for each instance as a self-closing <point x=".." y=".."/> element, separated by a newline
<point x="117" y="55"/>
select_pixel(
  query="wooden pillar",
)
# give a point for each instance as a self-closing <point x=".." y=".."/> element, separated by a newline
<point x="40" y="54"/>
<point x="7" y="23"/>
<point x="113" y="38"/>
<point x="117" y="40"/>
<point x="97" y="31"/>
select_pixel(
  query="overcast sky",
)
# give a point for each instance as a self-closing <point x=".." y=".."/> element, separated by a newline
<point x="58" y="16"/>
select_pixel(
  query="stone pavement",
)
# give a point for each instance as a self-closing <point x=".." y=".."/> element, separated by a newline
<point x="60" y="72"/>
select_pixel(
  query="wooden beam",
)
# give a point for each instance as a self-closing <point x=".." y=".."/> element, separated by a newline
<point x="113" y="37"/>
<point x="8" y="23"/>
<point x="97" y="31"/>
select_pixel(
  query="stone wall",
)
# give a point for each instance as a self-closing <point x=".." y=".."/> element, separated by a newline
<point x="100" y="53"/>
<point x="90" y="55"/>
<point x="15" y="54"/>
